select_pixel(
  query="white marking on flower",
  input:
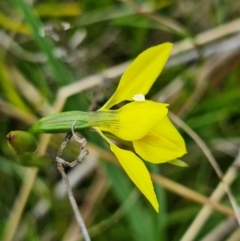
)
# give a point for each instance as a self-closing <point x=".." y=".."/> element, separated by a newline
<point x="139" y="97"/>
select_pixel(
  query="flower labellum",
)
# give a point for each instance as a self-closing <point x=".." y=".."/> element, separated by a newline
<point x="143" y="123"/>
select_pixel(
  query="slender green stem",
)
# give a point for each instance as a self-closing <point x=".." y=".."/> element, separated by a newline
<point x="17" y="210"/>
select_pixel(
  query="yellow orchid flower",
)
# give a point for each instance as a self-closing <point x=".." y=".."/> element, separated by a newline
<point x="143" y="123"/>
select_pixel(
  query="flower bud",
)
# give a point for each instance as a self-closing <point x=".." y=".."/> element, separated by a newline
<point x="21" y="141"/>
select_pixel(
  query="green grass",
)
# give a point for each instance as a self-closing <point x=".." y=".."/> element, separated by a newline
<point x="115" y="32"/>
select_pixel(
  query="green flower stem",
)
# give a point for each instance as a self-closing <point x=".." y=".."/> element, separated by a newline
<point x="62" y="122"/>
<point x="20" y="202"/>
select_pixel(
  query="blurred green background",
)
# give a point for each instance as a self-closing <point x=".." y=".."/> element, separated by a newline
<point x="69" y="55"/>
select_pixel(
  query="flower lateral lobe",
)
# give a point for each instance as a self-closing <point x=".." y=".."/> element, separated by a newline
<point x="135" y="169"/>
<point x="134" y="120"/>
<point x="162" y="144"/>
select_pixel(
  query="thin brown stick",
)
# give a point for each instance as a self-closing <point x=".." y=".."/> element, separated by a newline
<point x="190" y="194"/>
<point x="221" y="231"/>
<point x="60" y="165"/>
<point x="235" y="236"/>
<point x="206" y="211"/>
<point x="73" y="203"/>
<point x="92" y="199"/>
<point x="18" y="207"/>
<point x="19" y="204"/>
<point x="211" y="159"/>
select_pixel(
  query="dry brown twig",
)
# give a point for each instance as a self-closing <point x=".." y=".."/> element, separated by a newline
<point x="61" y="164"/>
<point x="203" y="79"/>
<point x="92" y="200"/>
<point x="211" y="159"/>
<point x="220" y="232"/>
<point x="218" y="193"/>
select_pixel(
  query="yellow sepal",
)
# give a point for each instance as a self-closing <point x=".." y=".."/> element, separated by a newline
<point x="141" y="74"/>
<point x="136" y="170"/>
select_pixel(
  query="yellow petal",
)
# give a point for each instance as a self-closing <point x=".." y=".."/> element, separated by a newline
<point x="134" y="120"/>
<point x="141" y="74"/>
<point x="162" y="144"/>
<point x="136" y="170"/>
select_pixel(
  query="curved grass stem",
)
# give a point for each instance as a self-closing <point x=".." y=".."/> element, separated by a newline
<point x="212" y="161"/>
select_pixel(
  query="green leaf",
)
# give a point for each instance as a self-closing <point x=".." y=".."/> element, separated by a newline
<point x="62" y="122"/>
<point x="37" y="28"/>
